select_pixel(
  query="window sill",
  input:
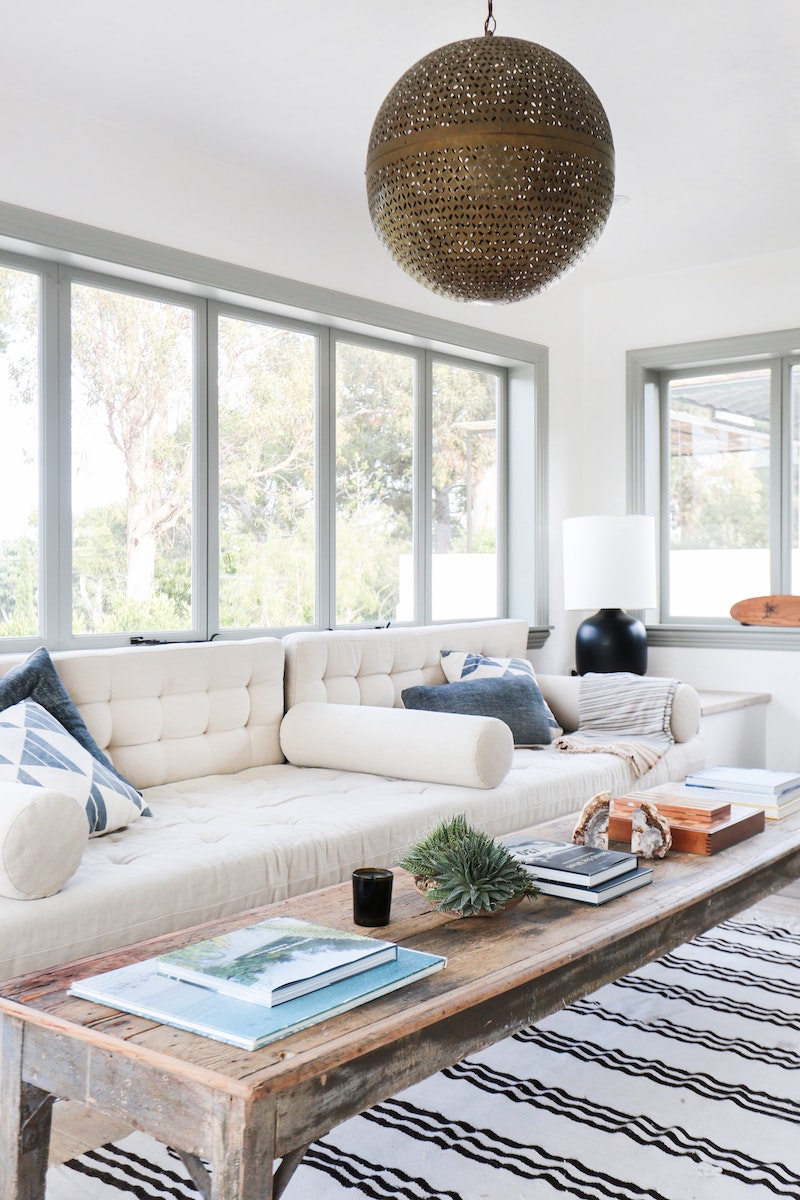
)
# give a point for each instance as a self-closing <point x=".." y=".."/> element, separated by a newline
<point x="537" y="636"/>
<point x="726" y="637"/>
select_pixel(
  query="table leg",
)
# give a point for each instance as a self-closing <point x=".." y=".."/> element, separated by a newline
<point x="197" y="1172"/>
<point x="288" y="1165"/>
<point x="244" y="1151"/>
<point x="25" y="1116"/>
<point x="280" y="1179"/>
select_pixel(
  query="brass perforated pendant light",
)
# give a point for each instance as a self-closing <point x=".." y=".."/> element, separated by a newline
<point x="490" y="168"/>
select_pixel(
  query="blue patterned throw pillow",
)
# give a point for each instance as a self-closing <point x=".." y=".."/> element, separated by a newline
<point x="36" y="750"/>
<point x="461" y="665"/>
<point x="37" y="679"/>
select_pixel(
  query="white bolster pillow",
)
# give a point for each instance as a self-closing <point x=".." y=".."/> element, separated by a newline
<point x="561" y="693"/>
<point x="43" y="834"/>
<point x="406" y="744"/>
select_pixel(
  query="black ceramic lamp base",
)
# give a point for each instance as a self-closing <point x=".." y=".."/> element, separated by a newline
<point x="611" y="641"/>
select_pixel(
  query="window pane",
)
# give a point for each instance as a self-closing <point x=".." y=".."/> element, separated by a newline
<point x="374" y="484"/>
<point x="19" y="478"/>
<point x="266" y="475"/>
<point x="131" y="462"/>
<point x="465" y="516"/>
<point x="719" y="491"/>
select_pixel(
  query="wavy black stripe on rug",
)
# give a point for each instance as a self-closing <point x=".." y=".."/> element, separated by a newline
<point x="679" y="1082"/>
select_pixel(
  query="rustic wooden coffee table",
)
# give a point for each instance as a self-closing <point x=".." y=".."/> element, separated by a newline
<point x="243" y="1111"/>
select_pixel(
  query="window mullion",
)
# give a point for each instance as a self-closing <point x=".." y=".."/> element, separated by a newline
<point x="787" y="470"/>
<point x="423" y="490"/>
<point x="205" y="499"/>
<point x="502" y="496"/>
<point x="325" y="441"/>
<point x="57" y="469"/>
<point x="52" y="423"/>
<point x="664" y="521"/>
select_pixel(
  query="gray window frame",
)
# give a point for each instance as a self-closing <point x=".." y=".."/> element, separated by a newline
<point x="61" y="250"/>
<point x="647" y="372"/>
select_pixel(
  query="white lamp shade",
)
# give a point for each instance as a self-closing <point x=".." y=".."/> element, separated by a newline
<point x="609" y="562"/>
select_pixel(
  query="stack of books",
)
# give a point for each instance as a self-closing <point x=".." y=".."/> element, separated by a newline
<point x="700" y="823"/>
<point x="776" y="792"/>
<point x="257" y="984"/>
<point x="578" y="872"/>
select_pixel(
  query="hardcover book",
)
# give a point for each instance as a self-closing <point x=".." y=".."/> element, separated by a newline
<point x="757" y="780"/>
<point x="773" y="807"/>
<point x="563" y="862"/>
<point x="601" y="893"/>
<point x="142" y="989"/>
<point x="701" y="838"/>
<point x="275" y="960"/>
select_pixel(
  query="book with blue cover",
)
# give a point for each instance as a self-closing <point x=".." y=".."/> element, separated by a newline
<point x="275" y="960"/>
<point x="142" y="989"/>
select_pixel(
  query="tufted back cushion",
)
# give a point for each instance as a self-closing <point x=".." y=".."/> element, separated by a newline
<point x="372" y="666"/>
<point x="180" y="711"/>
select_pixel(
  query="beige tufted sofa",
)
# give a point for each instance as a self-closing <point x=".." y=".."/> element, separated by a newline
<point x="196" y="726"/>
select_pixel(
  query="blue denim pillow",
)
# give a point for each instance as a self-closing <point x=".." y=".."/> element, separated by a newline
<point x="463" y="664"/>
<point x="515" y="699"/>
<point x="37" y="679"/>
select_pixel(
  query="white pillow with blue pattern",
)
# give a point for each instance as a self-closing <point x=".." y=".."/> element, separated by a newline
<point x="36" y="750"/>
<point x="460" y="665"/>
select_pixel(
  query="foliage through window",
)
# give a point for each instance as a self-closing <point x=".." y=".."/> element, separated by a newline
<point x="20" y="302"/>
<point x="266" y="431"/>
<point x="718" y="464"/>
<point x="183" y="467"/>
<point x="465" y="491"/>
<point x="131" y="427"/>
<point x="719" y="490"/>
<point x="375" y="394"/>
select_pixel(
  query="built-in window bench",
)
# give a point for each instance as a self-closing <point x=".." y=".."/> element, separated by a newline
<point x="733" y="726"/>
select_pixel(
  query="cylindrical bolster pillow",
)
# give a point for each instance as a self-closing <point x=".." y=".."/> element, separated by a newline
<point x="43" y="834"/>
<point x="428" y="746"/>
<point x="561" y="693"/>
<point x="685" y="712"/>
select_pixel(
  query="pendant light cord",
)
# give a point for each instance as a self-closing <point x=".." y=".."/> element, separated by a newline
<point x="489" y="24"/>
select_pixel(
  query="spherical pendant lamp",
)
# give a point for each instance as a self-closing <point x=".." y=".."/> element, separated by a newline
<point x="490" y="168"/>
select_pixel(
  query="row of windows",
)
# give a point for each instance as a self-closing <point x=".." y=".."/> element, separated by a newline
<point x="180" y="466"/>
<point x="716" y="448"/>
<point x="174" y="465"/>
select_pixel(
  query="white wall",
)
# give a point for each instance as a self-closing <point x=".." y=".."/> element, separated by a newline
<point x="78" y="166"/>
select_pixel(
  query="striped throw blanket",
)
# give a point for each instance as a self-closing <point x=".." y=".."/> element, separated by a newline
<point x="623" y="714"/>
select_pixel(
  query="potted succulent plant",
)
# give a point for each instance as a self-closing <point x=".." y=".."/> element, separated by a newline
<point x="460" y="869"/>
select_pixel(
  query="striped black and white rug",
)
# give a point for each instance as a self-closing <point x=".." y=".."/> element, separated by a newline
<point x="679" y="1082"/>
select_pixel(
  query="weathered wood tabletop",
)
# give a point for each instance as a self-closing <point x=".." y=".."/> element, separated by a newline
<point x="242" y="1111"/>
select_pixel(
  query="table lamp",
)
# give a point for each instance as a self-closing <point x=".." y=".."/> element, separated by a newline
<point x="610" y="564"/>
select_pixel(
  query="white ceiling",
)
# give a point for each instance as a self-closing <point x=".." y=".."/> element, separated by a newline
<point x="703" y="96"/>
